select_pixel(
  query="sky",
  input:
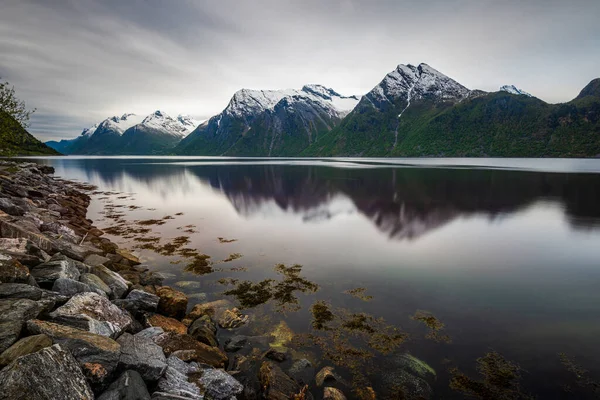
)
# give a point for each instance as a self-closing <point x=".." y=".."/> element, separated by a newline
<point x="80" y="61"/>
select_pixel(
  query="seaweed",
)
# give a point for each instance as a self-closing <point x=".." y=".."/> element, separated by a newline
<point x="148" y="222"/>
<point x="359" y="293"/>
<point x="582" y="377"/>
<point x="232" y="257"/>
<point x="321" y="315"/>
<point x="199" y="265"/>
<point x="223" y="240"/>
<point x="434" y="325"/>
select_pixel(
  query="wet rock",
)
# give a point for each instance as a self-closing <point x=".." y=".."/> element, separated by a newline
<point x="275" y="355"/>
<point x="70" y="287"/>
<point x="47" y="273"/>
<point x="141" y="354"/>
<point x="95" y="283"/>
<point x="19" y="291"/>
<point x="151" y="278"/>
<point x="51" y="373"/>
<point x="413" y="387"/>
<point x="277" y="385"/>
<point x="10" y="208"/>
<point x="93" y="313"/>
<point x="172" y="303"/>
<point x="248" y="368"/>
<point x="114" y="281"/>
<point x="330" y="393"/>
<point x="302" y="371"/>
<point x="98" y="355"/>
<point x="204" y="330"/>
<point x="94" y="260"/>
<point x="326" y="374"/>
<point x="12" y="271"/>
<point x="235" y="343"/>
<point x="138" y="301"/>
<point x="175" y="380"/>
<point x="213" y="309"/>
<point x="196" y="351"/>
<point x="23" y="250"/>
<point x="219" y="385"/>
<point x="165" y="323"/>
<point x="232" y="319"/>
<point x="134" y="260"/>
<point x="27" y="345"/>
<point x="129" y="386"/>
<point x="412" y="364"/>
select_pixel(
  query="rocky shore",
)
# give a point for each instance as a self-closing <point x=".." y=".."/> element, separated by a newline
<point x="81" y="318"/>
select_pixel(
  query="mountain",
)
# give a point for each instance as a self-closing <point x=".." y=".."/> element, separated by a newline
<point x="16" y="141"/>
<point x="269" y="122"/>
<point x="514" y="90"/>
<point x="129" y="134"/>
<point x="419" y="112"/>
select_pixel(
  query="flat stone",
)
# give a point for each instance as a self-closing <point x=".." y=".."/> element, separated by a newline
<point x="114" y="281"/>
<point x="213" y="309"/>
<point x="330" y="393"/>
<point x="23" y="250"/>
<point x="129" y="386"/>
<point x="27" y="345"/>
<point x="134" y="260"/>
<point x="277" y="385"/>
<point x="95" y="282"/>
<point x="204" y="330"/>
<point x="166" y="323"/>
<point x="172" y="303"/>
<point x="175" y="381"/>
<point x="94" y="260"/>
<point x="19" y="291"/>
<point x="12" y="271"/>
<point x="196" y="351"/>
<point x="93" y="313"/>
<point x="98" y="355"/>
<point x="47" y="273"/>
<point x="141" y="354"/>
<point x="70" y="287"/>
<point x="219" y="385"/>
<point x="51" y="373"/>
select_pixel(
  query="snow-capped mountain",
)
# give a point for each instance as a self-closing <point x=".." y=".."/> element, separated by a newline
<point x="514" y="90"/>
<point x="269" y="122"/>
<point x="160" y="121"/>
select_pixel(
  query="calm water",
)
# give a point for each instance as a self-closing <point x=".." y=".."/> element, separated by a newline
<point x="506" y="253"/>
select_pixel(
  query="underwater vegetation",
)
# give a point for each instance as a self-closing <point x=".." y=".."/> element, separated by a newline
<point x="434" y="325"/>
<point x="359" y="293"/>
<point x="232" y="257"/>
<point x="223" y="240"/>
<point x="582" y="377"/>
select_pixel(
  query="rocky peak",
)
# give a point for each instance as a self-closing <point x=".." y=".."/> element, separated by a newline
<point x="592" y="89"/>
<point x="512" y="89"/>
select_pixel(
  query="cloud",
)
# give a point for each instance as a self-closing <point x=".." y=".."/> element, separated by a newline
<point x="81" y="61"/>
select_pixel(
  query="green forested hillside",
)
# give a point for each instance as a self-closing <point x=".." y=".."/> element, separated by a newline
<point x="16" y="141"/>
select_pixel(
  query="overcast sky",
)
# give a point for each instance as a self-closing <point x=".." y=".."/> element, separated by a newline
<point x="80" y="61"/>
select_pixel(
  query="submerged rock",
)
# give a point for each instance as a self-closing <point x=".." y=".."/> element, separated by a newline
<point x="330" y="393"/>
<point x="93" y="313"/>
<point x="236" y="343"/>
<point x="302" y="371"/>
<point x="204" y="330"/>
<point x="141" y="354"/>
<point x="232" y="319"/>
<point x="129" y="386"/>
<point x="213" y="309"/>
<point x="51" y="373"/>
<point x="194" y="350"/>
<point x="172" y="303"/>
<point x="326" y="374"/>
<point x="27" y="345"/>
<point x="276" y="384"/>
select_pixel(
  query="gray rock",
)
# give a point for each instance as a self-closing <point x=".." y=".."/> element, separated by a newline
<point x="47" y="273"/>
<point x="236" y="343"/>
<point x="19" y="291"/>
<point x="151" y="332"/>
<point x="93" y="313"/>
<point x="13" y="314"/>
<point x="219" y="385"/>
<point x="278" y="385"/>
<point x="114" y="281"/>
<point x="74" y="251"/>
<point x="95" y="282"/>
<point x="27" y="345"/>
<point x="24" y="250"/>
<point x="94" y="260"/>
<point x="98" y="355"/>
<point x="138" y="301"/>
<point x="51" y="373"/>
<point x="69" y="287"/>
<point x="167" y="396"/>
<point x="14" y="230"/>
<point x="302" y="371"/>
<point x="12" y="271"/>
<point x="175" y="380"/>
<point x="129" y="386"/>
<point x="10" y="208"/>
<point x="57" y="298"/>
<point x="9" y="333"/>
<point x="60" y="229"/>
<point x="81" y="267"/>
<point x="141" y="354"/>
<point x="204" y="330"/>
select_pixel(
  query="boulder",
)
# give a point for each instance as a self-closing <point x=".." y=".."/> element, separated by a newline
<point x="51" y="373"/>
<point x="74" y="251"/>
<point x="172" y="303"/>
<point x="59" y="229"/>
<point x="129" y="386"/>
<point x="166" y="323"/>
<point x="194" y="350"/>
<point x="133" y="260"/>
<point x="9" y="333"/>
<point x="70" y="287"/>
<point x="141" y="354"/>
<point x="98" y="355"/>
<point x="330" y="393"/>
<point x="114" y="281"/>
<point x="10" y="208"/>
<point x="57" y="298"/>
<point x="17" y="230"/>
<point x="23" y="250"/>
<point x="176" y="380"/>
<point x="232" y="319"/>
<point x="13" y="314"/>
<point x="27" y="345"/>
<point x="93" y="313"/>
<point x="19" y="291"/>
<point x="204" y="330"/>
<point x="219" y="385"/>
<point x="138" y="301"/>
<point x="95" y="283"/>
<point x="12" y="271"/>
<point x="276" y="384"/>
<point x="94" y="260"/>
<point x="213" y="309"/>
<point x="45" y="274"/>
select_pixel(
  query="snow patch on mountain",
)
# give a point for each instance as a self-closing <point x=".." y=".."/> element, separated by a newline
<point x="514" y="90"/>
<point x="122" y="123"/>
<point x="160" y="121"/>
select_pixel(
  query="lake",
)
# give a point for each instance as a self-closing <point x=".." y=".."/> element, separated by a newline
<point x="444" y="259"/>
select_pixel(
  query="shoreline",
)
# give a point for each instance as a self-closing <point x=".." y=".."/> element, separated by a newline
<point x="99" y="322"/>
